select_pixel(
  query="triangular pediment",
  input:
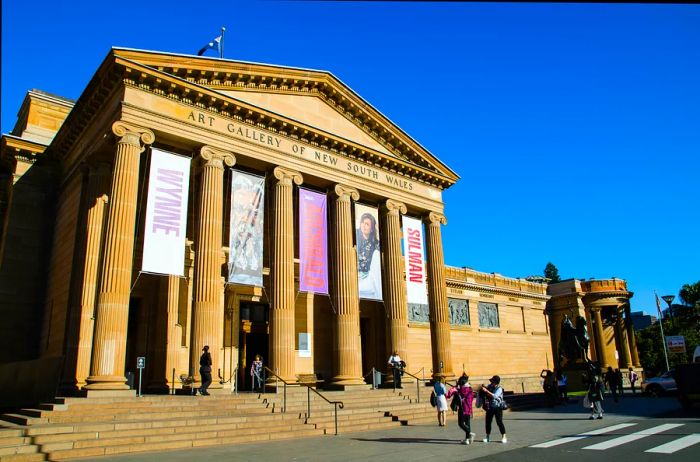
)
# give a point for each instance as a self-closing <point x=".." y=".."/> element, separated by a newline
<point x="312" y="111"/>
<point x="310" y="105"/>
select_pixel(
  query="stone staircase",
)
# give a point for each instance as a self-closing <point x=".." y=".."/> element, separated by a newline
<point x="72" y="428"/>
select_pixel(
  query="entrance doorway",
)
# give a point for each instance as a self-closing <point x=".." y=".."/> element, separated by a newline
<point x="365" y="349"/>
<point x="255" y="321"/>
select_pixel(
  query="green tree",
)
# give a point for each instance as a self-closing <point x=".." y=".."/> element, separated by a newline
<point x="690" y="294"/>
<point x="685" y="322"/>
<point x="551" y="272"/>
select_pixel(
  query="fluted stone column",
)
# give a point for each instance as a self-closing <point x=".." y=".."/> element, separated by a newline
<point x="112" y="312"/>
<point x="282" y="344"/>
<point x="207" y="309"/>
<point x="624" y="348"/>
<point x="394" y="283"/>
<point x="345" y="292"/>
<point x="440" y="340"/>
<point x="599" y="338"/>
<point x="631" y="337"/>
<point x="98" y="184"/>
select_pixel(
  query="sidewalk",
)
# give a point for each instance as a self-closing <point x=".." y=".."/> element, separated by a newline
<point x="421" y="442"/>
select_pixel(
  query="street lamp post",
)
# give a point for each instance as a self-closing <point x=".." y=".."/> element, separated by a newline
<point x="669" y="299"/>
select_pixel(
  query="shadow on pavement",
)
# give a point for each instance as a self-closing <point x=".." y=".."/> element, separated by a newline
<point x="409" y="440"/>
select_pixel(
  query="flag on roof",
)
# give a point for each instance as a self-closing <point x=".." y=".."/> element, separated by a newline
<point x="213" y="45"/>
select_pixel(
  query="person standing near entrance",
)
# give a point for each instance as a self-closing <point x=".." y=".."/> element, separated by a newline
<point x="595" y="397"/>
<point x="256" y="372"/>
<point x="205" y="370"/>
<point x="395" y="364"/>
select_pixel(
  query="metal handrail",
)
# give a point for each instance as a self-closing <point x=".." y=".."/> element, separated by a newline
<point x="309" y="389"/>
<point x="418" y="381"/>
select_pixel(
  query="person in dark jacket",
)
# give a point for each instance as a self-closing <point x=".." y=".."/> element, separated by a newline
<point x="205" y="370"/>
<point x="493" y="405"/>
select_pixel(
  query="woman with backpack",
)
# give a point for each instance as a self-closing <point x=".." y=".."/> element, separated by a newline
<point x="464" y="393"/>
<point x="494" y="405"/>
<point x="441" y="401"/>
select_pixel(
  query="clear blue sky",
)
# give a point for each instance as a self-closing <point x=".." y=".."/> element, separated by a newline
<point x="575" y="127"/>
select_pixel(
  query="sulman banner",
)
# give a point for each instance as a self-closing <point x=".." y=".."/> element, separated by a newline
<point x="369" y="260"/>
<point x="245" y="261"/>
<point x="313" y="242"/>
<point x="166" y="214"/>
<point x="415" y="268"/>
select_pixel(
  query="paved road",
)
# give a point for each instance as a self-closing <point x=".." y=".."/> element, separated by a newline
<point x="643" y="423"/>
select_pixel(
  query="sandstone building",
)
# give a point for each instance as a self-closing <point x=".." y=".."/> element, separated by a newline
<point x="74" y="183"/>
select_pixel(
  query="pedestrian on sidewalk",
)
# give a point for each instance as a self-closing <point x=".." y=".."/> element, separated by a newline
<point x="441" y="406"/>
<point x="633" y="377"/>
<point x="619" y="382"/>
<point x="611" y="382"/>
<point x="494" y="405"/>
<point x="595" y="397"/>
<point x="465" y="394"/>
<point x="205" y="371"/>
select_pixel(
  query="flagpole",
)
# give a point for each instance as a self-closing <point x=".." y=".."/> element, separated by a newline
<point x="221" y="54"/>
<point x="661" y="325"/>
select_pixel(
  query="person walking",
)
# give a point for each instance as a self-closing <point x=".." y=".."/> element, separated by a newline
<point x="595" y="397"/>
<point x="465" y="394"/>
<point x="395" y="364"/>
<point x="611" y="382"/>
<point x="619" y="382"/>
<point x="205" y="371"/>
<point x="633" y="377"/>
<point x="441" y="406"/>
<point x="256" y="372"/>
<point x="494" y="405"/>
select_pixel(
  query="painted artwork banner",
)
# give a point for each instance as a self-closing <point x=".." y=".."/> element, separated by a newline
<point x="313" y="242"/>
<point x="414" y="255"/>
<point x="369" y="260"/>
<point x="245" y="261"/>
<point x="166" y="214"/>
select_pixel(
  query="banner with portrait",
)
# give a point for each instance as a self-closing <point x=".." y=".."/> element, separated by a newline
<point x="313" y="242"/>
<point x="166" y="214"/>
<point x="369" y="260"/>
<point x="245" y="260"/>
<point x="413" y="248"/>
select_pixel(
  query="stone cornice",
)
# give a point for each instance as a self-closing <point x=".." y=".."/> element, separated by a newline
<point x="233" y="75"/>
<point x="495" y="290"/>
<point x="14" y="148"/>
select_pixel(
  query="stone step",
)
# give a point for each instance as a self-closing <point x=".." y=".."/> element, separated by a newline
<point x="166" y="431"/>
<point x="35" y="457"/>
<point x="13" y="441"/>
<point x="181" y="444"/>
<point x="18" y="449"/>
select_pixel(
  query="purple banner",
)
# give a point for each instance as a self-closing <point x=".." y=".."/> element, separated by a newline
<point x="313" y="242"/>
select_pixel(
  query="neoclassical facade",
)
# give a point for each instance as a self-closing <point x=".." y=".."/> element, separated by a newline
<point x="73" y="198"/>
<point x="605" y="305"/>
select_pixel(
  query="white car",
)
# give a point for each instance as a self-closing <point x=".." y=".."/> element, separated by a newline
<point x="657" y="386"/>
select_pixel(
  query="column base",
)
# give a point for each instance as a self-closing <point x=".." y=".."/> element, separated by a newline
<point x="106" y="382"/>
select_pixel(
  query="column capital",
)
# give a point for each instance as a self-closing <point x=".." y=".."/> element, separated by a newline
<point x="132" y="134"/>
<point x="343" y="191"/>
<point x="434" y="218"/>
<point x="393" y="206"/>
<point x="595" y="308"/>
<point x="287" y="176"/>
<point x="216" y="157"/>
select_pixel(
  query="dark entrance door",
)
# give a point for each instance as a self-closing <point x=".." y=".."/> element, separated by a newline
<point x="366" y="349"/>
<point x="253" y="340"/>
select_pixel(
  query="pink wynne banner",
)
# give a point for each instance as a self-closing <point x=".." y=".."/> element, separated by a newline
<point x="313" y="242"/>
